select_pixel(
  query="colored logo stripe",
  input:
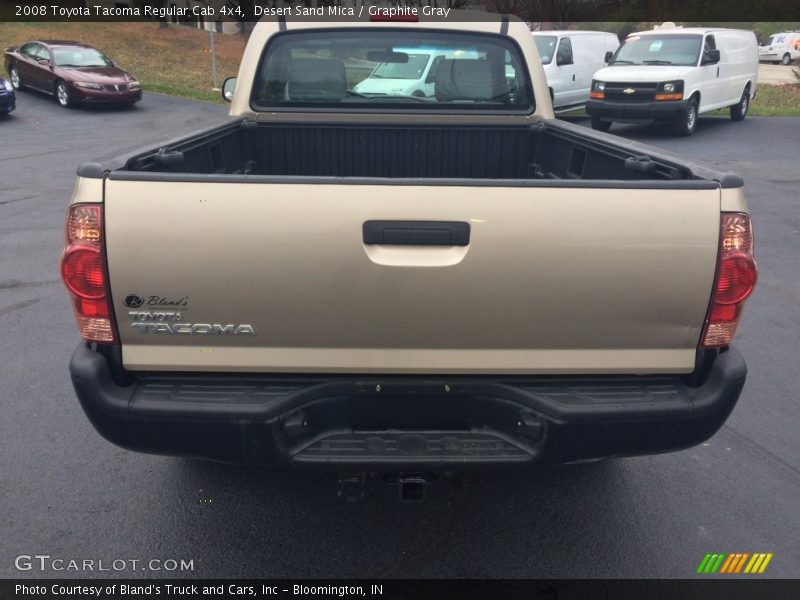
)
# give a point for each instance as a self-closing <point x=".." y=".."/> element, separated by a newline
<point x="740" y="564"/>
<point x="734" y="563"/>
<point x="758" y="563"/>
<point x="703" y="563"/>
<point x="727" y="564"/>
<point x="710" y="563"/>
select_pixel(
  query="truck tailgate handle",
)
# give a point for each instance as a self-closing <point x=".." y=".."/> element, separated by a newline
<point x="416" y="233"/>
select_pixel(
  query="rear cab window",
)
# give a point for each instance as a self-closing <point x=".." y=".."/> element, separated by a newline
<point x="357" y="70"/>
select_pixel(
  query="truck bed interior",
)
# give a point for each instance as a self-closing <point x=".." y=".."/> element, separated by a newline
<point x="398" y="151"/>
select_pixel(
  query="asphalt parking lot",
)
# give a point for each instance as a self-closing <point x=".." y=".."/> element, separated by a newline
<point x="68" y="493"/>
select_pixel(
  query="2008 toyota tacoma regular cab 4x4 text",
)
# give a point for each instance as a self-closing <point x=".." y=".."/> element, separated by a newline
<point x="352" y="281"/>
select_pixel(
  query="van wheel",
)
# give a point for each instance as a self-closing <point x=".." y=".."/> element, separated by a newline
<point x="739" y="111"/>
<point x="686" y="121"/>
<point x="787" y="59"/>
<point x="600" y="125"/>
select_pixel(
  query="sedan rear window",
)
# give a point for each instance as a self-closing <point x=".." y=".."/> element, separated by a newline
<point x="389" y="69"/>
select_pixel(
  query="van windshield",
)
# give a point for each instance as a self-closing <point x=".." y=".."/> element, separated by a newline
<point x="392" y="68"/>
<point x="546" y="45"/>
<point x="413" y="69"/>
<point x="683" y="50"/>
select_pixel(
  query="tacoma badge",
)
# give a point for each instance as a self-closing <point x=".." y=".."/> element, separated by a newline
<point x="195" y="328"/>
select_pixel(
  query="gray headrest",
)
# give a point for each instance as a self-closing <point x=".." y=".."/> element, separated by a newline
<point x="317" y="79"/>
<point x="467" y="79"/>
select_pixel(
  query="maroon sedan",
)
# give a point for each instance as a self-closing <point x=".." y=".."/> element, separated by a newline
<point x="72" y="72"/>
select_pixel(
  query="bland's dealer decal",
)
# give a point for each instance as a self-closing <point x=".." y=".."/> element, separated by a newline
<point x="135" y="301"/>
<point x="170" y="322"/>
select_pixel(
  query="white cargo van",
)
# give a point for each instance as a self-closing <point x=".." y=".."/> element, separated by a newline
<point x="781" y="48"/>
<point x="570" y="59"/>
<point x="674" y="74"/>
<point x="414" y="76"/>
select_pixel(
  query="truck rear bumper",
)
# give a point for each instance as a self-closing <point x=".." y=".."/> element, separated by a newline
<point x="403" y="423"/>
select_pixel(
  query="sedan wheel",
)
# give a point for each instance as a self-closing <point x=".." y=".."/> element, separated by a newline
<point x="15" y="80"/>
<point x="62" y="94"/>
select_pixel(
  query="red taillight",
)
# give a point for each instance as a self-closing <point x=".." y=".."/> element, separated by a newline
<point x="736" y="279"/>
<point x="83" y="273"/>
<point x="83" y="270"/>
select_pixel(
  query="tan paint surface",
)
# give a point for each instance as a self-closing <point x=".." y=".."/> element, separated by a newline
<point x="87" y="190"/>
<point x="733" y="200"/>
<point x="575" y="280"/>
<point x="555" y="280"/>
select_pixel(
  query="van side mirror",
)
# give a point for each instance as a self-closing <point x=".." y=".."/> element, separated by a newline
<point x="563" y="58"/>
<point x="711" y="57"/>
<point x="228" y="88"/>
<point x="609" y="56"/>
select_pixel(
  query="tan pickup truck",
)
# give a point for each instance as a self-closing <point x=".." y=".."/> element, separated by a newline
<point x="404" y="281"/>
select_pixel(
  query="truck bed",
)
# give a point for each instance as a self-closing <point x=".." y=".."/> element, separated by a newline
<point x="287" y="216"/>
<point x="556" y="151"/>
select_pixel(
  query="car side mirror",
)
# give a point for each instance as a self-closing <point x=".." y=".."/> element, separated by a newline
<point x="228" y="88"/>
<point x="711" y="57"/>
<point x="609" y="56"/>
